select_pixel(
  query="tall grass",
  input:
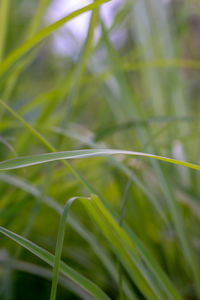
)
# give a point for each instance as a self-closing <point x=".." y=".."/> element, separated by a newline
<point x="115" y="131"/>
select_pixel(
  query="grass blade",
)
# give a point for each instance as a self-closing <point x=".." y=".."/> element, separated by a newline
<point x="86" y="284"/>
<point x="38" y="37"/>
<point x="60" y="239"/>
<point x="27" y="161"/>
<point x="79" y="228"/>
<point x="124" y="249"/>
<point x="4" y="10"/>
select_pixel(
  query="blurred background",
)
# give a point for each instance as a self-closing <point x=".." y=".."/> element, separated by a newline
<point x="125" y="76"/>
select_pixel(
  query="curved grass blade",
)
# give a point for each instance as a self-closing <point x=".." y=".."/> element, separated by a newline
<point x="154" y="268"/>
<point x="59" y="246"/>
<point x="75" y="224"/>
<point x="131" y="244"/>
<point x="174" y="210"/>
<point x="121" y="245"/>
<point x="148" y="259"/>
<point x="43" y="140"/>
<point x="79" y="279"/>
<point x="59" y="209"/>
<point x="27" y="161"/>
<point x="25" y="47"/>
<point x="120" y="165"/>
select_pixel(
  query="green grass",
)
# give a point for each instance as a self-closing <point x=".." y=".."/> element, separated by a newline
<point x="117" y="130"/>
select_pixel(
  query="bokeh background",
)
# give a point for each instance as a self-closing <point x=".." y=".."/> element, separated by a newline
<point x="124" y="77"/>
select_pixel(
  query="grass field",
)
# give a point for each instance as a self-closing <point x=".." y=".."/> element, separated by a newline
<point x="100" y="150"/>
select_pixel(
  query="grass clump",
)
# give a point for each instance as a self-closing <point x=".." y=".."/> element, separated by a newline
<point x="114" y="129"/>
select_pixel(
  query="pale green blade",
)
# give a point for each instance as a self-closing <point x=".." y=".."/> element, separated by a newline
<point x="27" y="161"/>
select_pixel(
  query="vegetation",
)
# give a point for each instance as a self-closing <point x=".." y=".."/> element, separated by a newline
<point x="99" y="170"/>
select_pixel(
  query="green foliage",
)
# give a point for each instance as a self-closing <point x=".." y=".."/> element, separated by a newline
<point x="115" y="131"/>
